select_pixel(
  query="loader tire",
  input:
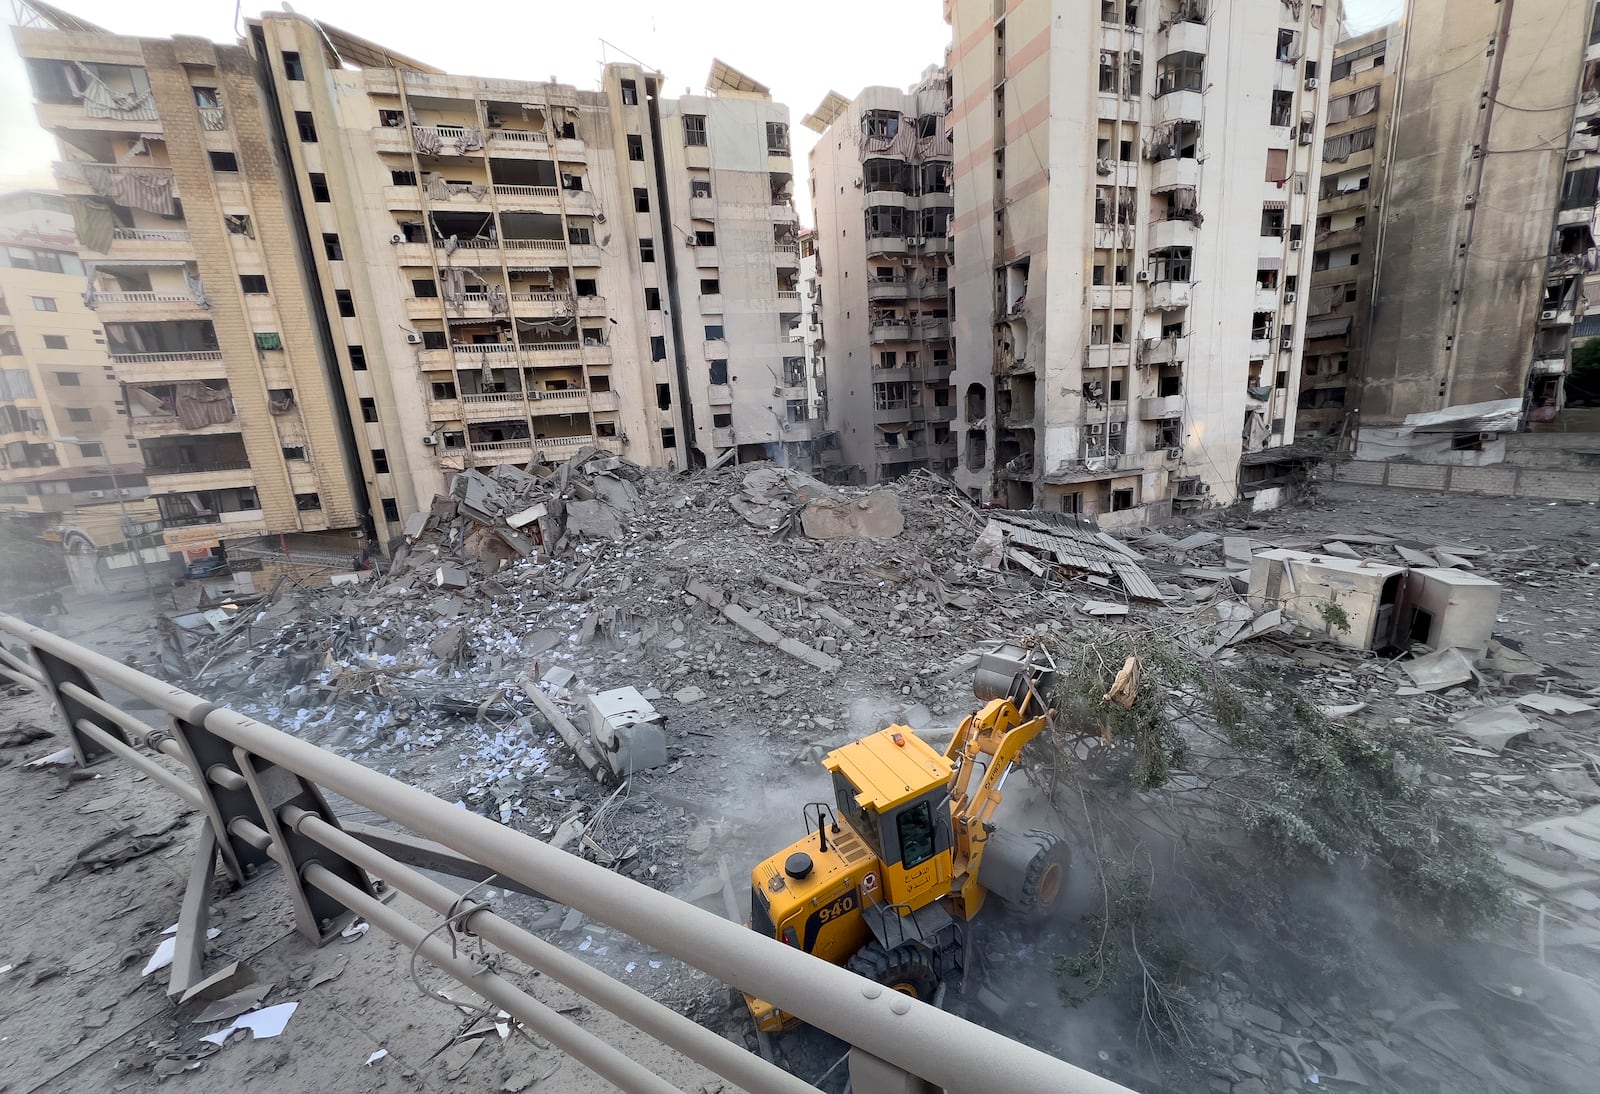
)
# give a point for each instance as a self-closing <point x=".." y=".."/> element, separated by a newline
<point x="907" y="969"/>
<point x="1026" y="870"/>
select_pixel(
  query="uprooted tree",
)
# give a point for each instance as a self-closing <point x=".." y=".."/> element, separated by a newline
<point x="1211" y="792"/>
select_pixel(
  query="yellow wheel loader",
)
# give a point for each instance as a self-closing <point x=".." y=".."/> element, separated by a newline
<point x="890" y="873"/>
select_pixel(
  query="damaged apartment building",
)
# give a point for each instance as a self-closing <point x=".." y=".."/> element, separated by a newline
<point x="881" y="192"/>
<point x="1487" y="229"/>
<point x="1134" y="191"/>
<point x="437" y="272"/>
<point x="1361" y="88"/>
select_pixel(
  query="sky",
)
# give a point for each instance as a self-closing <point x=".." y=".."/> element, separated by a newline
<point x="840" y="45"/>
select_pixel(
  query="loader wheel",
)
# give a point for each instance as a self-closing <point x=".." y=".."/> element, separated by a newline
<point x="906" y="969"/>
<point x="1026" y="870"/>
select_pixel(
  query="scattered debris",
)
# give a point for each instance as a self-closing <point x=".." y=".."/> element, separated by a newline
<point x="262" y="1024"/>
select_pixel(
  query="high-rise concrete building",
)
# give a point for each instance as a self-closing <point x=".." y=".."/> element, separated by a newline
<point x="1134" y="186"/>
<point x="382" y="274"/>
<point x="1486" y="225"/>
<point x="196" y="276"/>
<point x="1361" y="88"/>
<point x="881" y="195"/>
<point x="56" y="381"/>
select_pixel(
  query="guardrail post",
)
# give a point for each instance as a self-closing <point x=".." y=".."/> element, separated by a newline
<point x="870" y="1075"/>
<point x="320" y="917"/>
<point x="224" y="794"/>
<point x="57" y="673"/>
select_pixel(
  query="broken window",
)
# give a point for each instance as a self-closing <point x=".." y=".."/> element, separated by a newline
<point x="307" y="502"/>
<point x="454" y="440"/>
<point x="1108" y="71"/>
<point x="392" y="119"/>
<point x="927" y="126"/>
<point x="658" y="347"/>
<point x="332" y="247"/>
<point x="777" y="139"/>
<point x="710" y="286"/>
<point x="346" y="302"/>
<point x="719" y="371"/>
<point x="380" y="461"/>
<point x="663" y="396"/>
<point x="292" y="68"/>
<point x="1581" y="188"/>
<point x="369" y="410"/>
<point x="224" y="161"/>
<point x="630" y="93"/>
<point x="635" y="147"/>
<point x="1282" y="108"/>
<point x="1287" y="40"/>
<point x="641" y="199"/>
<point x="319" y="187"/>
<point x="1272" y="222"/>
<point x="713" y="332"/>
<point x="652" y="300"/>
<point x="238" y="224"/>
<point x="391" y="510"/>
<point x="885" y="221"/>
<point x="358" y="358"/>
<point x="705" y="239"/>
<point x="647" y="250"/>
<point x="794" y="371"/>
<point x="253" y="284"/>
<point x="669" y="438"/>
<point x="694" y="130"/>
<point x="1171" y="264"/>
<point x="434" y="339"/>
<point x="796" y="410"/>
<point x="307" y="127"/>
<point x="881" y="123"/>
<point x="1180" y="72"/>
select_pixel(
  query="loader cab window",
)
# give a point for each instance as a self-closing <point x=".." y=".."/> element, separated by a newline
<point x="863" y="821"/>
<point x="914" y="826"/>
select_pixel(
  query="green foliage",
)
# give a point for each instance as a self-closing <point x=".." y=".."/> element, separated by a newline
<point x="1334" y="617"/>
<point x="1260" y="790"/>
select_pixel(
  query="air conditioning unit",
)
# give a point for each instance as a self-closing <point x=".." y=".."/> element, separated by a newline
<point x="1286" y="343"/>
<point x="414" y="338"/>
<point x="124" y="492"/>
<point x="1102" y="166"/>
<point x="1574" y="154"/>
<point x="1174" y="453"/>
<point x="1294" y="244"/>
<point x="1142" y="275"/>
<point x="97" y="493"/>
<point x="1311" y="83"/>
<point x="1305" y="136"/>
<point x="397" y="238"/>
<point x="515" y="275"/>
<point x="1548" y="313"/>
<point x="1094" y="429"/>
<point x="1107" y="58"/>
<point x="1116" y="429"/>
<point x="429" y="441"/>
<point x="1288" y="298"/>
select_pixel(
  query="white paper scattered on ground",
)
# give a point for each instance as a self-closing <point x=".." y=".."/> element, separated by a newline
<point x="263" y="1023"/>
<point x="167" y="950"/>
<point x="376" y="1056"/>
<point x="355" y="930"/>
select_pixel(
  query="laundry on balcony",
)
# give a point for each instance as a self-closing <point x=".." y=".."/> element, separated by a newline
<point x="94" y="223"/>
<point x="101" y="100"/>
<point x="136" y="187"/>
<point x="1322" y="300"/>
<point x="282" y="405"/>
<point x="425" y="140"/>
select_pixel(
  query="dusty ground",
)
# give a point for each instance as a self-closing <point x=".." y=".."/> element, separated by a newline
<point x="744" y="761"/>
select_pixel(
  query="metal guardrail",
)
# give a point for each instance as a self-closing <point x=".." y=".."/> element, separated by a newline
<point x="263" y="791"/>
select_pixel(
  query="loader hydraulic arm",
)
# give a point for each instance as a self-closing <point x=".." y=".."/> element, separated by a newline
<point x="983" y="751"/>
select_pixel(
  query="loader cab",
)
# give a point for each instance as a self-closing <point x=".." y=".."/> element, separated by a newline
<point x="893" y="790"/>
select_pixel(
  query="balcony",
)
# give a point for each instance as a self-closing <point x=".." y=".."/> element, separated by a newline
<point x="389" y="138"/>
<point x="707" y="258"/>
<point x="784" y="214"/>
<point x="933" y="329"/>
<point x="788" y="301"/>
<point x="1166" y="351"/>
<point x="1111" y="356"/>
<point x="1167" y="295"/>
<point x="597" y="353"/>
<point x="186" y="477"/>
<point x="1566" y="218"/>
<point x="197" y="364"/>
<point x="572" y="150"/>
<point x="170" y="425"/>
<point x="719" y="395"/>
<point x="491" y="452"/>
<point x="517" y="143"/>
<point x="786" y="256"/>
<point x="892" y="199"/>
<point x="1172" y="233"/>
<point x="1182" y="37"/>
<point x="888" y="332"/>
<point x="886" y="245"/>
<point x="710" y="303"/>
<point x="444" y="410"/>
<point x="492" y="406"/>
<point x="1175" y="173"/>
<point x="602" y="401"/>
<point x="546" y="354"/>
<point x="702" y="209"/>
<point x="112" y="307"/>
<point x="525" y="247"/>
<point x="584" y="254"/>
<point x="73" y="178"/>
<point x="566" y="400"/>
<point x="1343" y="237"/>
<point x="887" y="288"/>
<point x="1160" y="406"/>
<point x="133" y="244"/>
<point x="1260" y="348"/>
<point x="716" y="349"/>
<point x="1178" y="106"/>
<point x="1108" y="296"/>
<point x="143" y="118"/>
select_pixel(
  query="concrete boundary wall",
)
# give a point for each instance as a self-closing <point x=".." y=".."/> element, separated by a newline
<point x="1502" y="481"/>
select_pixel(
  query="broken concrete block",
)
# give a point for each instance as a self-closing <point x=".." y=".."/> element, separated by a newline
<point x="689" y="695"/>
<point x="558" y="677"/>
<point x="528" y="515"/>
<point x="876" y="516"/>
<point x="627" y="729"/>
<point x="416" y="524"/>
<point x="1493" y="727"/>
<point x="595" y="519"/>
<point x="451" y="577"/>
<point x="815" y="658"/>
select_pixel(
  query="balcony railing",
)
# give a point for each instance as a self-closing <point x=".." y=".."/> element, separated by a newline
<point x="516" y="136"/>
<point x="159" y="358"/>
<point x="527" y="191"/>
<point x="483" y="398"/>
<point x="198" y="468"/>
<point x="144" y="298"/>
<point x="213" y="119"/>
<point x="150" y="235"/>
<point x="533" y="244"/>
<point x="562" y="393"/>
<point x="484" y="347"/>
